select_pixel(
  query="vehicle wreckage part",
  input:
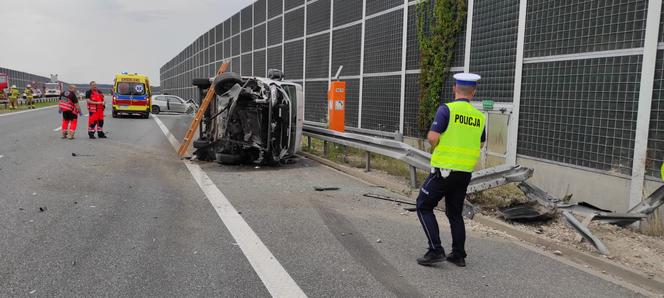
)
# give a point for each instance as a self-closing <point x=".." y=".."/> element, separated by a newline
<point x="650" y="204"/>
<point x="527" y="212"/>
<point x="585" y="232"/>
<point x="606" y="216"/>
<point x="535" y="193"/>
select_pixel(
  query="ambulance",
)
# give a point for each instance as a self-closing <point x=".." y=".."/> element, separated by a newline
<point x="131" y="95"/>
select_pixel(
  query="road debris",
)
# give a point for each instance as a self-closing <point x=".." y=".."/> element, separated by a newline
<point x="81" y="155"/>
<point x="34" y="194"/>
<point x="650" y="204"/>
<point x="585" y="232"/>
<point x="42" y="209"/>
<point x="325" y="188"/>
<point x="530" y="211"/>
<point x="379" y="241"/>
<point x="557" y="252"/>
<point x="33" y="291"/>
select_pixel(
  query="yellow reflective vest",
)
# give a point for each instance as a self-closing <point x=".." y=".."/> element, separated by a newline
<point x="13" y="93"/>
<point x="459" y="145"/>
<point x="28" y="93"/>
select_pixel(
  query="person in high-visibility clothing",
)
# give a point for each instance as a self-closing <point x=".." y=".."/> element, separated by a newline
<point x="29" y="97"/>
<point x="95" y="101"/>
<point x="13" y="97"/>
<point x="70" y="111"/>
<point x="457" y="135"/>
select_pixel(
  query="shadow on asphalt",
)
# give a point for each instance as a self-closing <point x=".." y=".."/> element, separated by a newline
<point x="297" y="163"/>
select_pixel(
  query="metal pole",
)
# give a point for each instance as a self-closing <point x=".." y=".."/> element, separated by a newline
<point x="469" y="31"/>
<point x="513" y="127"/>
<point x="361" y="92"/>
<point x="367" y="165"/>
<point x="309" y="143"/>
<point x="404" y="40"/>
<point x="325" y="148"/>
<point x="645" y="103"/>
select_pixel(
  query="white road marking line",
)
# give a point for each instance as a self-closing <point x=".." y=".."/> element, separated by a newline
<point x="26" y="111"/>
<point x="58" y="129"/>
<point x="275" y="278"/>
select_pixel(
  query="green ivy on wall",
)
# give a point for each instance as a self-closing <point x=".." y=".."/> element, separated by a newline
<point x="438" y="24"/>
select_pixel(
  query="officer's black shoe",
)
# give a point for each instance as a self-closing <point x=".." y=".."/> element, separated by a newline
<point x="101" y="134"/>
<point x="456" y="260"/>
<point x="431" y="257"/>
<point x="91" y="135"/>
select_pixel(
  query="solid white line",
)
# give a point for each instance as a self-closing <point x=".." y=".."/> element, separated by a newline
<point x="57" y="129"/>
<point x="26" y="111"/>
<point x="275" y="278"/>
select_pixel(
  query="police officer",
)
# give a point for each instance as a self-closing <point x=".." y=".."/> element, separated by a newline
<point x="95" y="101"/>
<point x="13" y="97"/>
<point x="29" y="97"/>
<point x="456" y="136"/>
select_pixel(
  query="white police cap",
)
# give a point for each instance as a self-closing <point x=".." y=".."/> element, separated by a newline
<point x="466" y="79"/>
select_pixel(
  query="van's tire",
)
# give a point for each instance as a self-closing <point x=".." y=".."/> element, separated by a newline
<point x="229" y="159"/>
<point x="155" y="110"/>
<point x="226" y="81"/>
<point x="114" y="114"/>
<point x="146" y="115"/>
<point x="201" y="83"/>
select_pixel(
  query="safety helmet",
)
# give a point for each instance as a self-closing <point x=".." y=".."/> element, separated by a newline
<point x="28" y="86"/>
<point x="13" y="86"/>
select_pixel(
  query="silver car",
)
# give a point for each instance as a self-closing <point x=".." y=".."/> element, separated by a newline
<point x="170" y="103"/>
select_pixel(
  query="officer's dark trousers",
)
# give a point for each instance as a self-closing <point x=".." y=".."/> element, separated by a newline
<point x="453" y="188"/>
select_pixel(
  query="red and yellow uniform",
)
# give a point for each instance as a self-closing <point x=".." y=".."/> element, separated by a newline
<point x="69" y="108"/>
<point x="96" y="109"/>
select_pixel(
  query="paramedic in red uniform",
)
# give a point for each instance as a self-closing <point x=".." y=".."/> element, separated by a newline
<point x="95" y="100"/>
<point x="70" y="110"/>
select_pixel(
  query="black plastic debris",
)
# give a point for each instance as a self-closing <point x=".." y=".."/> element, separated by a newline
<point x="527" y="212"/>
<point x="319" y="188"/>
<point x="81" y="155"/>
<point x="42" y="209"/>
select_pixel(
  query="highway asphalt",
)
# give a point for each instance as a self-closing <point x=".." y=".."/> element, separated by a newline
<point x="125" y="217"/>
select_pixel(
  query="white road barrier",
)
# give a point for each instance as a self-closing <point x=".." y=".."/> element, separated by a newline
<point x="275" y="278"/>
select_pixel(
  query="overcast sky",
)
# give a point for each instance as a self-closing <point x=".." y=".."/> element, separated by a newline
<point x="84" y="40"/>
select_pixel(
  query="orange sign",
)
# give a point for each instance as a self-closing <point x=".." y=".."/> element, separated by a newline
<point x="336" y="106"/>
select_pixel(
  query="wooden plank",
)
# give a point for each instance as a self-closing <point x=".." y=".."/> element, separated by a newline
<point x="188" y="137"/>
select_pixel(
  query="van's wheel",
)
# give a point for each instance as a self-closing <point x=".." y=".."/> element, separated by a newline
<point x="114" y="114"/>
<point x="155" y="110"/>
<point x="226" y="81"/>
<point x="146" y="115"/>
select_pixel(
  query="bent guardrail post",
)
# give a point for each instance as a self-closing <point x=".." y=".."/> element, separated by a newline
<point x="413" y="177"/>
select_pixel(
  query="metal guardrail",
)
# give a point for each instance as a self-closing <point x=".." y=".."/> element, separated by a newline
<point x="415" y="158"/>
<point x="391" y="148"/>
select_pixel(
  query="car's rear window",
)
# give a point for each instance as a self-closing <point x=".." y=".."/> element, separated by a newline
<point x="3" y="79"/>
<point x="125" y="88"/>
